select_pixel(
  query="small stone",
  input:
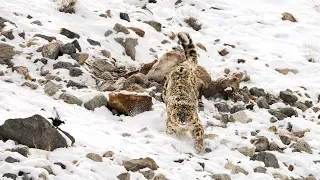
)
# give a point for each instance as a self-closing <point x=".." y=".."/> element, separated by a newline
<point x="285" y="140"/>
<point x="247" y="151"/>
<point x="68" y="48"/>
<point x="288" y="97"/>
<point x="262" y="102"/>
<point x="301" y="106"/>
<point x="51" y="50"/>
<point x="76" y="44"/>
<point x="69" y="34"/>
<point x="94" y="157"/>
<point x="75" y="72"/>
<point x="120" y="28"/>
<point x="43" y="60"/>
<point x="8" y="34"/>
<point x="309" y="104"/>
<point x="302" y="145"/>
<point x="241" y="61"/>
<point x="138" y="31"/>
<point x="108" y="33"/>
<point x="270" y="160"/>
<point x="93" y="42"/>
<point x="289" y="111"/>
<point x="274" y="147"/>
<point x="148" y="174"/>
<point x="277" y="114"/>
<point x="160" y="177"/>
<point x="261" y="143"/>
<point x="51" y="88"/>
<point x="10" y="176"/>
<point x="273" y="120"/>
<point x="80" y="57"/>
<point x="30" y="85"/>
<point x="62" y="65"/>
<point x="10" y="159"/>
<point x="137" y="164"/>
<point x="124" y="176"/>
<point x="280" y="176"/>
<point x="237" y="108"/>
<point x="226" y="71"/>
<point x="129" y="45"/>
<point x="126" y="134"/>
<point x="240" y="116"/>
<point x="21" y="149"/>
<point x="60" y="164"/>
<point x="223" y="52"/>
<point x="48" y="38"/>
<point x="109" y="154"/>
<point x="222" y="107"/>
<point x="235" y="169"/>
<point x="106" y="53"/>
<point x="22" y="34"/>
<point x="220" y="177"/>
<point x="76" y="84"/>
<point x="260" y="170"/>
<point x="70" y="99"/>
<point x="201" y="46"/>
<point x="96" y="102"/>
<point x="156" y="25"/>
<point x="288" y="16"/>
<point x="285" y="71"/>
<point x="124" y="16"/>
<point x="37" y="22"/>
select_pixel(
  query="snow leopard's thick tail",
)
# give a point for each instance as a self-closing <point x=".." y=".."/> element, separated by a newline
<point x="189" y="48"/>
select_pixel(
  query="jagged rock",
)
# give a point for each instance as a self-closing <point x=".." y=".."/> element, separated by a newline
<point x="285" y="71"/>
<point x="94" y="157"/>
<point x="124" y="16"/>
<point x="75" y="72"/>
<point x="107" y="76"/>
<point x="240" y="116"/>
<point x="288" y="16"/>
<point x="106" y="53"/>
<point x="260" y="170"/>
<point x="63" y="65"/>
<point x="69" y="34"/>
<point x="247" y="151"/>
<point x="22" y="34"/>
<point x="76" y="84"/>
<point x="288" y="97"/>
<point x="220" y="176"/>
<point x="148" y="174"/>
<point x="70" y="99"/>
<point x="119" y="84"/>
<point x="51" y="88"/>
<point x="261" y="143"/>
<point x="156" y="25"/>
<point x="138" y="78"/>
<point x="68" y="49"/>
<point x="96" y="102"/>
<point x="120" y="28"/>
<point x="262" y="102"/>
<point x="129" y="45"/>
<point x="30" y="85"/>
<point x="48" y="38"/>
<point x="124" y="176"/>
<point x="10" y="176"/>
<point x="277" y="114"/>
<point x="6" y="54"/>
<point x="34" y="132"/>
<point x="129" y="104"/>
<point x="235" y="169"/>
<point x="138" y="31"/>
<point x="80" y="57"/>
<point x="93" y="42"/>
<point x="137" y="164"/>
<point x="289" y="111"/>
<point x="21" y="149"/>
<point x="160" y="177"/>
<point x="270" y="160"/>
<point x="302" y="145"/>
<point x="10" y="159"/>
<point x="222" y="107"/>
<point x="301" y="106"/>
<point x="101" y="66"/>
<point x="51" y="50"/>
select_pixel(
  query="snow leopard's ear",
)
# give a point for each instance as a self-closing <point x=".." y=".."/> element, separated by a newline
<point x="184" y="38"/>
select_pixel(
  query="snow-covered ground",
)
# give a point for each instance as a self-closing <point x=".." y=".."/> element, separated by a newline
<point x="262" y="39"/>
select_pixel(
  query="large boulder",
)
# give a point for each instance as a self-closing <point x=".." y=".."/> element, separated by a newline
<point x="51" y="50"/>
<point x="34" y="132"/>
<point x="129" y="104"/>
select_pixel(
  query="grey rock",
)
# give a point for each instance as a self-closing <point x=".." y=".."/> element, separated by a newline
<point x="222" y="107"/>
<point x="63" y="65"/>
<point x="51" y="50"/>
<point x="10" y="176"/>
<point x="21" y="149"/>
<point x="124" y="176"/>
<point x="48" y="38"/>
<point x="156" y="25"/>
<point x="76" y="44"/>
<point x="220" y="176"/>
<point x="51" y="88"/>
<point x="108" y="33"/>
<point x="43" y="60"/>
<point x="302" y="145"/>
<point x="106" y="53"/>
<point x="69" y="34"/>
<point x="285" y="140"/>
<point x="129" y="45"/>
<point x="274" y="147"/>
<point x="289" y="111"/>
<point x="301" y="106"/>
<point x="285" y="71"/>
<point x="120" y="28"/>
<point x="273" y="120"/>
<point x="137" y="164"/>
<point x="148" y="174"/>
<point x="271" y="99"/>
<point x="261" y="143"/>
<point x="76" y="84"/>
<point x="101" y="66"/>
<point x="93" y="42"/>
<point x="260" y="170"/>
<point x="8" y="34"/>
<point x="237" y="108"/>
<point x="309" y="104"/>
<point x="34" y="132"/>
<point x="75" y="72"/>
<point x="107" y="76"/>
<point x="160" y="177"/>
<point x="277" y="114"/>
<point x="124" y="16"/>
<point x="94" y="157"/>
<point x="22" y="34"/>
<point x="262" y="102"/>
<point x="119" y="84"/>
<point x="10" y="159"/>
<point x="68" y="48"/>
<point x="6" y="54"/>
<point x="61" y="165"/>
<point x="3" y="21"/>
<point x="288" y="97"/>
<point x="80" y="57"/>
<point x="270" y="160"/>
<point x="96" y="102"/>
<point x="70" y="99"/>
<point x="139" y="79"/>
<point x="235" y="169"/>
<point x="240" y="116"/>
<point x="257" y="92"/>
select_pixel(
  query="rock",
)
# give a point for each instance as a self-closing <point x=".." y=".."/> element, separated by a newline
<point x="51" y="88"/>
<point x="301" y="106"/>
<point x="288" y="97"/>
<point x="30" y="85"/>
<point x="254" y="91"/>
<point x="107" y="76"/>
<point x="138" y="31"/>
<point x="62" y="65"/>
<point x="241" y="61"/>
<point x="277" y="114"/>
<point x="129" y="45"/>
<point x="285" y="71"/>
<point x="80" y="57"/>
<point x="76" y="84"/>
<point x="261" y="143"/>
<point x="75" y="72"/>
<point x="309" y="104"/>
<point x="37" y="22"/>
<point x="124" y="176"/>
<point x="76" y="44"/>
<point x="270" y="160"/>
<point x="222" y="107"/>
<point x="21" y="149"/>
<point x="262" y="102"/>
<point x="124" y="16"/>
<point x="10" y="176"/>
<point x="101" y="66"/>
<point x="3" y="22"/>
<point x="108" y="154"/>
<point x="42" y="60"/>
<point x="6" y="54"/>
<point x="280" y="176"/>
<point x="108" y="33"/>
<point x="220" y="177"/>
<point x="137" y="164"/>
<point x="160" y="177"/>
<point x="302" y="145"/>
<point x="148" y="174"/>
<point x="119" y="28"/>
<point x="163" y="42"/>
<point x="10" y="159"/>
<point x="138" y="78"/>
<point x="69" y="34"/>
<point x="106" y="53"/>
<point x="48" y="38"/>
<point x="288" y="17"/>
<point x="68" y="49"/>
<point x="129" y="104"/>
<point x="235" y="169"/>
<point x="285" y="139"/>
<point x="22" y="34"/>
<point x="60" y="164"/>
<point x="51" y="50"/>
<point x="8" y="34"/>
<point x="145" y="68"/>
<point x="260" y="170"/>
<point x="96" y="102"/>
<point x="34" y="132"/>
<point x="156" y="25"/>
<point x="274" y="147"/>
<point x="93" y="42"/>
<point x="70" y="99"/>
<point x="94" y="157"/>
<point x="223" y="52"/>
<point x="247" y="151"/>
<point x="289" y="111"/>
<point x="240" y="116"/>
<point x="237" y="108"/>
<point x="201" y="46"/>
<point x="119" y="84"/>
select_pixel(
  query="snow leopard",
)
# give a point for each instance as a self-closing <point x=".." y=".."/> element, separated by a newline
<point x="180" y="94"/>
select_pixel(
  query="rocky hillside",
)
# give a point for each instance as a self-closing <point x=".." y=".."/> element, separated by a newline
<point x="101" y="64"/>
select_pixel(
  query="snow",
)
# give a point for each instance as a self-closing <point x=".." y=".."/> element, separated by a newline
<point x="254" y="27"/>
